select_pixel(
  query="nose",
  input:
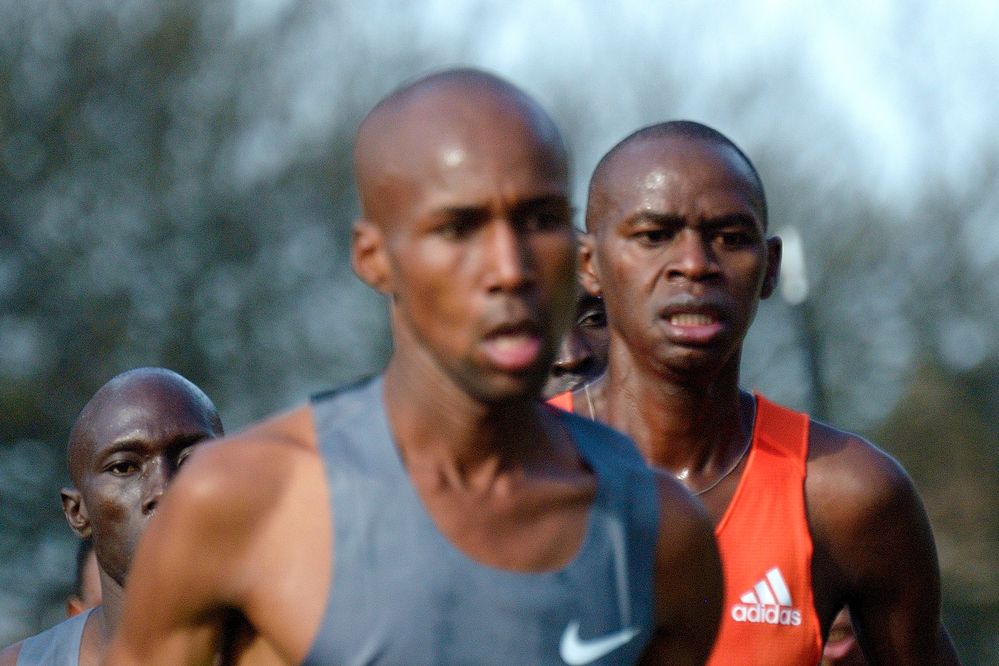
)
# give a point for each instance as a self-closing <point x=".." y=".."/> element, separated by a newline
<point x="691" y="257"/>
<point x="574" y="355"/>
<point x="156" y="482"/>
<point x="509" y="258"/>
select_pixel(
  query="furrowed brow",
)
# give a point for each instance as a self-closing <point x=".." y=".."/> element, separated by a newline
<point x="650" y="218"/>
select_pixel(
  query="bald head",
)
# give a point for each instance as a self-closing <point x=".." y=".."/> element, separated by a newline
<point x="434" y="123"/>
<point x="147" y="394"/>
<point x="662" y="138"/>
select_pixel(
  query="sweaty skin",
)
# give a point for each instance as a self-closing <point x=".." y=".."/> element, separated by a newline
<point x="677" y="248"/>
<point x="125" y="447"/>
<point x="466" y="228"/>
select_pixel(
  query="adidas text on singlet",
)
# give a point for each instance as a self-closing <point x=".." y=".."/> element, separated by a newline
<point x="401" y="593"/>
<point x="57" y="646"/>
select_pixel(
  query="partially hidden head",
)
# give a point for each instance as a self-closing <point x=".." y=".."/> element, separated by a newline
<point x="582" y="354"/>
<point x="466" y="227"/>
<point x="677" y="246"/>
<point x="124" y="448"/>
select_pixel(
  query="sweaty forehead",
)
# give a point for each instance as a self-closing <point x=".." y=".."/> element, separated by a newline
<point x="668" y="174"/>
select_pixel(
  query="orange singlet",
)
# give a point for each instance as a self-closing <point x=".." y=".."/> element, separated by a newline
<point x="766" y="549"/>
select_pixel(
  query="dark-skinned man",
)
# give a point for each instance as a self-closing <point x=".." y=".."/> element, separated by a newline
<point x="438" y="513"/>
<point x="808" y="518"/>
<point x="582" y="354"/>
<point x="124" y="448"/>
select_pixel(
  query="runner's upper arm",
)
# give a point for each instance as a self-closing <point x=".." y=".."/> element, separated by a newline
<point x="187" y="571"/>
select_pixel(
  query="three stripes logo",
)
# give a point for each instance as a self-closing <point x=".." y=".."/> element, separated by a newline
<point x="768" y="602"/>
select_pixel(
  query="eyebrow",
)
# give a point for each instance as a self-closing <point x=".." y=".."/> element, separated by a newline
<point x="651" y="217"/>
<point x="671" y="220"/>
<point x="527" y="204"/>
<point x="136" y="445"/>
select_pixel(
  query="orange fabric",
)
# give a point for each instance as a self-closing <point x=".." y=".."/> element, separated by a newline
<point x="765" y="545"/>
<point x="766" y="550"/>
<point x="563" y="401"/>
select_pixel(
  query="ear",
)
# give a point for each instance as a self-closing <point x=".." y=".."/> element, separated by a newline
<point x="367" y="255"/>
<point x="75" y="511"/>
<point x="774" y="249"/>
<point x="588" y="273"/>
<point x="74" y="606"/>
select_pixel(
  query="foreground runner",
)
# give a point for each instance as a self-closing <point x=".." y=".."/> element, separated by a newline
<point x="124" y="448"/>
<point x="438" y="513"/>
<point x="808" y="518"/>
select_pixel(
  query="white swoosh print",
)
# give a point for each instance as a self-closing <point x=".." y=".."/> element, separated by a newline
<point x="577" y="652"/>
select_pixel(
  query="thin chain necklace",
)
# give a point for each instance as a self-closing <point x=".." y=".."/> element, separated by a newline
<point x="710" y="486"/>
<point x="682" y="476"/>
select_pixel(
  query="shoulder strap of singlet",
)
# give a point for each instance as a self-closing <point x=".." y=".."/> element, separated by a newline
<point x="57" y="646"/>
<point x="782" y="428"/>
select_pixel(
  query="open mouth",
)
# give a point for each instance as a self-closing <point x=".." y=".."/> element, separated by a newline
<point x="691" y="319"/>
<point x="513" y="348"/>
<point x="692" y="325"/>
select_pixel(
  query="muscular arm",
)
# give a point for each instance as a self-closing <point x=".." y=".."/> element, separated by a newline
<point x="688" y="580"/>
<point x="870" y="523"/>
<point x="184" y="577"/>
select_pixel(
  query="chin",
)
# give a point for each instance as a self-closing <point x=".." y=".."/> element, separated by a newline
<point x="506" y="389"/>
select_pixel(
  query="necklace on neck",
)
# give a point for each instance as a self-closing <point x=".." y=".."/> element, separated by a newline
<point x="745" y="449"/>
<point x="682" y="476"/>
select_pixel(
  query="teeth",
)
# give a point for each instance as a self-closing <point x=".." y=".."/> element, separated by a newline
<point x="691" y="319"/>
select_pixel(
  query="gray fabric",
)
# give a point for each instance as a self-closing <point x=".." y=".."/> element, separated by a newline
<point x="403" y="594"/>
<point x="58" y="646"/>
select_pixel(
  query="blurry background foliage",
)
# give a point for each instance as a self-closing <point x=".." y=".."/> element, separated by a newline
<point x="175" y="190"/>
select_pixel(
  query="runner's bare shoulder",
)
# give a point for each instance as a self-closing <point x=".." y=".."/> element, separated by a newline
<point x="229" y="485"/>
<point x="864" y="510"/>
<point x="851" y="481"/>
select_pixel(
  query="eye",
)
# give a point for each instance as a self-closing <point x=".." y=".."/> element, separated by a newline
<point x="594" y="317"/>
<point x="651" y="237"/>
<point x="735" y="239"/>
<point x="184" y="455"/>
<point x="459" y="225"/>
<point x="122" y="467"/>
<point x="544" y="219"/>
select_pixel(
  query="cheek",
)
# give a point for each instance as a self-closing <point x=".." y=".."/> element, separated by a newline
<point x="597" y="340"/>
<point x="748" y="273"/>
<point x="112" y="508"/>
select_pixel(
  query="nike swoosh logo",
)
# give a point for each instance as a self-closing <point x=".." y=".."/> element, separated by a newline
<point x="576" y="652"/>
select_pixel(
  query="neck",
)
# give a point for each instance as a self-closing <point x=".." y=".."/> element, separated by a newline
<point x="694" y="428"/>
<point x="108" y="613"/>
<point x="469" y="442"/>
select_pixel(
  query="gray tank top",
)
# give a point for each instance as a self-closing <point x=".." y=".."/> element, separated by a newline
<point x="403" y="594"/>
<point x="58" y="646"/>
